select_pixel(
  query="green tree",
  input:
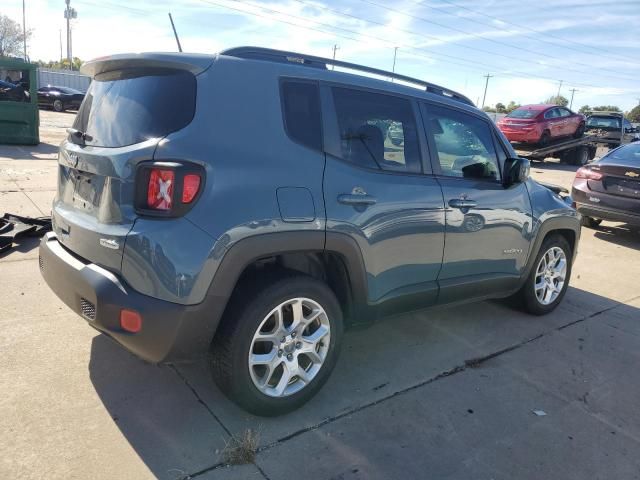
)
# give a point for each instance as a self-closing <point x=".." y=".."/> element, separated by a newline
<point x="11" y="37"/>
<point x="512" y="106"/>
<point x="607" y="108"/>
<point x="584" y="109"/>
<point x="62" y="65"/>
<point x="634" y="114"/>
<point x="488" y="109"/>
<point x="557" y="100"/>
<point x="500" y="108"/>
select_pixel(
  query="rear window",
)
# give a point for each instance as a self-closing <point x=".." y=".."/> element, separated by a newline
<point x="603" y="122"/>
<point x="130" y="106"/>
<point x="523" y="113"/>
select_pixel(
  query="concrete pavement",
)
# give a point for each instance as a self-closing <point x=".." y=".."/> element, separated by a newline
<point x="436" y="394"/>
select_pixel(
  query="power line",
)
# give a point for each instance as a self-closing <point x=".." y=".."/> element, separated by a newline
<point x="451" y="59"/>
<point x="564" y="40"/>
<point x="388" y="42"/>
<point x="475" y="35"/>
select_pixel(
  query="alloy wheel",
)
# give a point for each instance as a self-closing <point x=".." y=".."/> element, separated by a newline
<point x="289" y="347"/>
<point x="551" y="273"/>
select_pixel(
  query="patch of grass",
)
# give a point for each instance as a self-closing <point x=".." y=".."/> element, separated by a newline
<point x="241" y="449"/>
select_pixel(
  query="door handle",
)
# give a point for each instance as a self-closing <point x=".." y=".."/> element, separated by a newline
<point x="462" y="203"/>
<point x="351" y="199"/>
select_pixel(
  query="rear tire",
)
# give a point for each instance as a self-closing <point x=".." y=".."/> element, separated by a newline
<point x="251" y="319"/>
<point x="580" y="156"/>
<point x="58" y="106"/>
<point x="528" y="295"/>
<point x="590" y="222"/>
<point x="545" y="138"/>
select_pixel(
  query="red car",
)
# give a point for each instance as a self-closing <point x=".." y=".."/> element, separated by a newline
<point x="541" y="123"/>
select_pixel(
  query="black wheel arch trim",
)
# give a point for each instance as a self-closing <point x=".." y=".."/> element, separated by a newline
<point x="248" y="250"/>
<point x="548" y="226"/>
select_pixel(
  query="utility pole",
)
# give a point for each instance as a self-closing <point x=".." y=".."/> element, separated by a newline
<point x="486" y="84"/>
<point x="395" y="54"/>
<point x="335" y="49"/>
<point x="60" y="32"/>
<point x="175" y="33"/>
<point x="24" y="31"/>
<point x="559" y="87"/>
<point x="573" y="90"/>
<point x="69" y="14"/>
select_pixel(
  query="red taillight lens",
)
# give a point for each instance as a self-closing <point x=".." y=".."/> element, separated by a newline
<point x="130" y="320"/>
<point x="589" y="174"/>
<point x="160" y="189"/>
<point x="190" y="187"/>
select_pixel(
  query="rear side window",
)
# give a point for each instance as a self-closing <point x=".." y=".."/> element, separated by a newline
<point x="130" y="106"/>
<point x="377" y="131"/>
<point x="301" y="112"/>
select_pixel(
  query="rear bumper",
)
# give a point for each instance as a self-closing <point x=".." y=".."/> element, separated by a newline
<point x="170" y="332"/>
<point x="606" y="214"/>
<point x="528" y="136"/>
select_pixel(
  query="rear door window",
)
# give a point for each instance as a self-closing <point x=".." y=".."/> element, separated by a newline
<point x="301" y="112"/>
<point x="377" y="130"/>
<point x="130" y="106"/>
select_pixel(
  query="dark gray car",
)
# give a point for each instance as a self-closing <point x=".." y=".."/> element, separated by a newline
<point x="258" y="209"/>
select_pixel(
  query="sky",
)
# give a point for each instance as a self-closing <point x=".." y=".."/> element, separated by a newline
<point x="591" y="46"/>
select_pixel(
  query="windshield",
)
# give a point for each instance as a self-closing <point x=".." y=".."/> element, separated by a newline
<point x="603" y="122"/>
<point x="523" y="113"/>
<point x="628" y="152"/>
<point x="70" y="91"/>
<point x="126" y="107"/>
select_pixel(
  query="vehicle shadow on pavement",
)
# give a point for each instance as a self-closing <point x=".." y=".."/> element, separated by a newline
<point x="623" y="234"/>
<point x="178" y="421"/>
<point x="29" y="152"/>
<point x="553" y="165"/>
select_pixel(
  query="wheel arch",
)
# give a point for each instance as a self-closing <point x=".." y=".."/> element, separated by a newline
<point x="334" y="258"/>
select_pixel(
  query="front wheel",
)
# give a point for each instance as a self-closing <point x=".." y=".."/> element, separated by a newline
<point x="580" y="131"/>
<point x="58" y="106"/>
<point x="277" y="344"/>
<point x="549" y="278"/>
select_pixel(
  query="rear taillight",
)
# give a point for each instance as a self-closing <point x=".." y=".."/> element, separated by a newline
<point x="160" y="189"/>
<point x="190" y="187"/>
<point x="589" y="174"/>
<point x="167" y="188"/>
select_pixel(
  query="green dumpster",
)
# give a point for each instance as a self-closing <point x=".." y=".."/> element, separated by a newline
<point x="19" y="118"/>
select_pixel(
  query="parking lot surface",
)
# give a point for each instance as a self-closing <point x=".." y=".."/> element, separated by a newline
<point x="479" y="391"/>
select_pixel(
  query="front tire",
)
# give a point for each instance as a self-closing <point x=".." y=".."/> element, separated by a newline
<point x="549" y="278"/>
<point x="58" y="106"/>
<point x="580" y="131"/>
<point x="277" y="344"/>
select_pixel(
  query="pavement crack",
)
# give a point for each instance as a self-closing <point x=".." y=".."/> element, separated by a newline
<point x="467" y="364"/>
<point x="200" y="400"/>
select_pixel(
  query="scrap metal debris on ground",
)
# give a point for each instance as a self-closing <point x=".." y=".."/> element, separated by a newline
<point x="13" y="227"/>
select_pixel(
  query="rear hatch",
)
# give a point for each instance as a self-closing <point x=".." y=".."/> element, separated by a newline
<point x="131" y="105"/>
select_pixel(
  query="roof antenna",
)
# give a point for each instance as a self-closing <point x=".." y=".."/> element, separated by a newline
<point x="175" y="33"/>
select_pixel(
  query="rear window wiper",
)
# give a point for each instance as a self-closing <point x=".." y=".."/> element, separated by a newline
<point x="74" y="133"/>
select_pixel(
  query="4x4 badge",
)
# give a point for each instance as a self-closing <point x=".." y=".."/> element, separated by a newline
<point x="632" y="174"/>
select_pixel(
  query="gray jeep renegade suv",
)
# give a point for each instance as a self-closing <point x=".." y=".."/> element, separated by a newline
<point x="249" y="204"/>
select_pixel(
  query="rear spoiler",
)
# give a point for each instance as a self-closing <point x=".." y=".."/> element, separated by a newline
<point x="194" y="63"/>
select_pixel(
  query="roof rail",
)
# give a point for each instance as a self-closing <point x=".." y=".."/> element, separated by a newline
<point x="268" y="54"/>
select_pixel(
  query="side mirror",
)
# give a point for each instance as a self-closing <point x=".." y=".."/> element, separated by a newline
<point x="516" y="170"/>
